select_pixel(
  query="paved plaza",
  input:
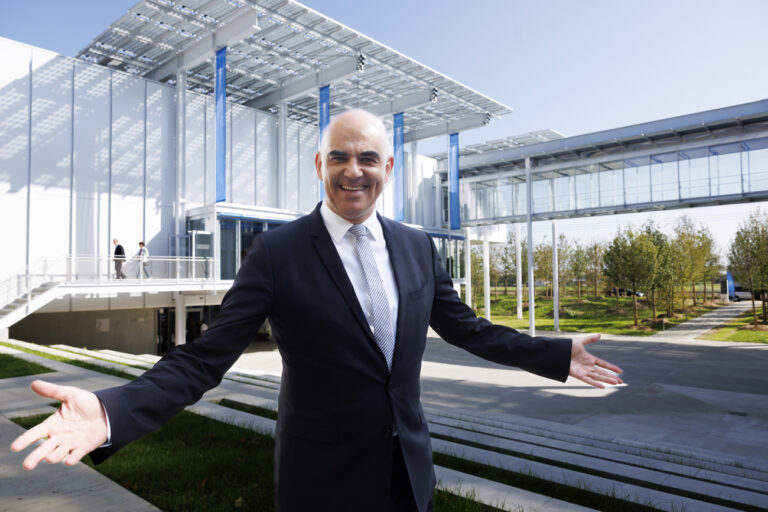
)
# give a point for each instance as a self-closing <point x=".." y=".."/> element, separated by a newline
<point x="682" y="394"/>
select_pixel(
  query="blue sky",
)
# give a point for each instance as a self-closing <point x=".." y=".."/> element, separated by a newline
<point x="575" y="66"/>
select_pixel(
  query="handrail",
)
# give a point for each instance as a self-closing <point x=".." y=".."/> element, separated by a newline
<point x="101" y="270"/>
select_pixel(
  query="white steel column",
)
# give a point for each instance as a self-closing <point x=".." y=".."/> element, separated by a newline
<point x="468" y="270"/>
<point x="181" y="318"/>
<point x="181" y="151"/>
<point x="414" y="183"/>
<point x="518" y="272"/>
<point x="531" y="282"/>
<point x="487" y="275"/>
<point x="555" y="284"/>
<point x="282" y="155"/>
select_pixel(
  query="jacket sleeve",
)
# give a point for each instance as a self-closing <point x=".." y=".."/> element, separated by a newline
<point x="181" y="377"/>
<point x="457" y="324"/>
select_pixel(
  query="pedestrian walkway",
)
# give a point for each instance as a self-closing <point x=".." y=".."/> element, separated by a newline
<point x="696" y="327"/>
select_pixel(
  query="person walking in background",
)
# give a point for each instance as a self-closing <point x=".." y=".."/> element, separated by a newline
<point x="143" y="258"/>
<point x="119" y="260"/>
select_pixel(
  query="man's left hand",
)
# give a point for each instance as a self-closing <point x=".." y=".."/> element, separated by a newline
<point x="590" y="369"/>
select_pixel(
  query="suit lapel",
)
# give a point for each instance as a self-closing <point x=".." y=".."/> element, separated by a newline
<point x="398" y="258"/>
<point x="330" y="258"/>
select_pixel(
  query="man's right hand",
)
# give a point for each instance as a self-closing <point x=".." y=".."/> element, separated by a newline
<point x="76" y="429"/>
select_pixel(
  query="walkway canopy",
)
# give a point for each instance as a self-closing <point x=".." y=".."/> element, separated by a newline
<point x="282" y="51"/>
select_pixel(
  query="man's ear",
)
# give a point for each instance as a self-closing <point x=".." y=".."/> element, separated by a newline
<point x="389" y="165"/>
<point x="319" y="165"/>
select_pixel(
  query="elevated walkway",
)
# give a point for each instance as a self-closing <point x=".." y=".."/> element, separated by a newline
<point x="28" y="291"/>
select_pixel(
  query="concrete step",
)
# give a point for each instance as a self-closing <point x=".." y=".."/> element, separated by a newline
<point x="585" y="441"/>
<point x="740" y="491"/>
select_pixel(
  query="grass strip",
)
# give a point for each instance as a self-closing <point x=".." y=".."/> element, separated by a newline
<point x="11" y="366"/>
<point x="532" y="483"/>
<point x="740" y="329"/>
<point x="75" y="362"/>
<point x="225" y="467"/>
<point x="250" y="409"/>
<point x="603" y="474"/>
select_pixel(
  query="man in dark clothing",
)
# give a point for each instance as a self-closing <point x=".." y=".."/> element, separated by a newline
<point x="119" y="260"/>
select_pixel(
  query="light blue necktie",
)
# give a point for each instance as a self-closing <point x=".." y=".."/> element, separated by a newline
<point x="382" y="327"/>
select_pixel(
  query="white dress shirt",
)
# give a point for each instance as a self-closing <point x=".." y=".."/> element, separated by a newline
<point x="346" y="246"/>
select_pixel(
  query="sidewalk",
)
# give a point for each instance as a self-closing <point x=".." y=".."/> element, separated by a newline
<point x="695" y="327"/>
<point x="53" y="486"/>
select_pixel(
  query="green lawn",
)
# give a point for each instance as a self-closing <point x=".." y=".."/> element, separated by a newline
<point x="591" y="314"/>
<point x="11" y="366"/>
<point x="196" y="463"/>
<point x="741" y="329"/>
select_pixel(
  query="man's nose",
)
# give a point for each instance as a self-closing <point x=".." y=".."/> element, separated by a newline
<point x="353" y="169"/>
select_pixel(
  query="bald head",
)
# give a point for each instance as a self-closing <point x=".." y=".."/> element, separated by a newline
<point x="361" y="121"/>
<point x="354" y="164"/>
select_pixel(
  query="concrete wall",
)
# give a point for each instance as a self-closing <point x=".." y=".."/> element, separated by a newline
<point x="133" y="331"/>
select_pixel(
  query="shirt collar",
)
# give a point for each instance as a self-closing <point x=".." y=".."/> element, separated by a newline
<point x="338" y="226"/>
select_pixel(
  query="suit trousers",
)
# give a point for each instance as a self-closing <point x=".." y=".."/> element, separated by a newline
<point x="401" y="494"/>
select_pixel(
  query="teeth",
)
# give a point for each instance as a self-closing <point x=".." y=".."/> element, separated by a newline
<point x="345" y="187"/>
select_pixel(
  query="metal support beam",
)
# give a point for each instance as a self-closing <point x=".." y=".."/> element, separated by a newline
<point x="486" y="275"/>
<point x="518" y="272"/>
<point x="468" y="270"/>
<point x="398" y="171"/>
<point x="531" y="281"/>
<point x="555" y="278"/>
<point x="465" y="123"/>
<point x="417" y="99"/>
<point x="181" y="152"/>
<point x="204" y="49"/>
<point x="181" y="318"/>
<point x="282" y="155"/>
<point x="413" y="180"/>
<point x="302" y="86"/>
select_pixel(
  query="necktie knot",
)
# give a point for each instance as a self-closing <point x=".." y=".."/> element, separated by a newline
<point x="358" y="230"/>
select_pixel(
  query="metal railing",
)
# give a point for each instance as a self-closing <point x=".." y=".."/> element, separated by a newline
<point x="102" y="270"/>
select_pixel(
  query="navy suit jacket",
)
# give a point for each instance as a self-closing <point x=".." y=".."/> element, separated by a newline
<point x="338" y="401"/>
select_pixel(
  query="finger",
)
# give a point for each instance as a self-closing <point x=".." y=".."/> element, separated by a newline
<point x="610" y="366"/>
<point x="50" y="390"/>
<point x="32" y="435"/>
<point x="75" y="456"/>
<point x="592" y="382"/>
<point x="57" y="455"/>
<point x="587" y="339"/>
<point x="42" y="451"/>
<point x="605" y="377"/>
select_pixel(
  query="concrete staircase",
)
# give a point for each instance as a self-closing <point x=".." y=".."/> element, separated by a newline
<point x="663" y="477"/>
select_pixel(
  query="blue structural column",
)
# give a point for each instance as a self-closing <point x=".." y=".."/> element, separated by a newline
<point x="323" y="118"/>
<point x="220" y="108"/>
<point x="453" y="182"/>
<point x="397" y="171"/>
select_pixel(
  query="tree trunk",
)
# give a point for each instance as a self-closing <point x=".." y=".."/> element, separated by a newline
<point x="754" y="311"/>
<point x="578" y="289"/>
<point x="765" y="308"/>
<point x="634" y="305"/>
<point x="596" y="284"/>
<point x="617" y="298"/>
<point x="693" y="292"/>
<point x="653" y="302"/>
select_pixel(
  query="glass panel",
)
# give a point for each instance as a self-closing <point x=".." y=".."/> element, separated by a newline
<point x="541" y="196"/>
<point x="562" y="186"/>
<point x="664" y="177"/>
<point x="227" y="234"/>
<point x="582" y="192"/>
<point x="725" y="164"/>
<point x="618" y="185"/>
<point x="249" y="230"/>
<point x="756" y="164"/>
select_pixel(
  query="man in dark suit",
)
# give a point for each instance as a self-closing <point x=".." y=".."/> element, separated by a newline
<point x="119" y="260"/>
<point x="350" y="296"/>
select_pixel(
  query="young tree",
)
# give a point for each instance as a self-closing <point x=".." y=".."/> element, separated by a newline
<point x="614" y="262"/>
<point x="663" y="278"/>
<point x="595" y="252"/>
<point x="631" y="261"/>
<point x="578" y="266"/>
<point x="507" y="260"/>
<point x="542" y="259"/>
<point x="748" y="256"/>
<point x="564" y="253"/>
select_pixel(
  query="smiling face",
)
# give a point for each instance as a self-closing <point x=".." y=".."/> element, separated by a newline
<point x="354" y="163"/>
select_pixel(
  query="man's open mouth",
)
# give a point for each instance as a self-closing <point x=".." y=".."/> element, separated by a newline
<point x="347" y="187"/>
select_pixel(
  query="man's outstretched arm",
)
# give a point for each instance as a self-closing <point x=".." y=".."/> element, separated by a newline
<point x="76" y="429"/>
